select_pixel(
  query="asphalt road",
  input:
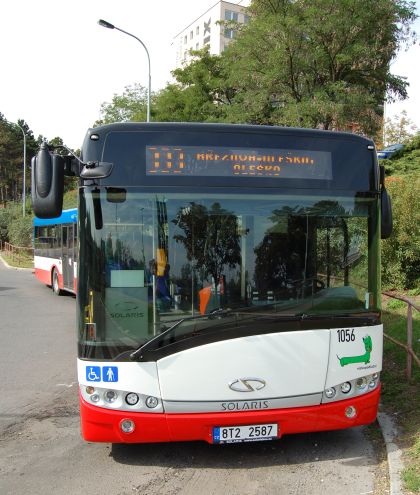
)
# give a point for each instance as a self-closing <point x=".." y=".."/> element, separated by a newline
<point x="41" y="450"/>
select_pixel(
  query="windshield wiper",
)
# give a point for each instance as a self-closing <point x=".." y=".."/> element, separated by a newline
<point x="138" y="353"/>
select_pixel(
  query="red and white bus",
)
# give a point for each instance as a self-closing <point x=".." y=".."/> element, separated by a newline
<point x="229" y="280"/>
<point x="55" y="251"/>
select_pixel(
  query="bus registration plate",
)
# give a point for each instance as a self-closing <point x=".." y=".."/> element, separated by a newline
<point x="249" y="433"/>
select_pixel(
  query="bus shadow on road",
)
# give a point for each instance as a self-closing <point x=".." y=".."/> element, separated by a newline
<point x="348" y="446"/>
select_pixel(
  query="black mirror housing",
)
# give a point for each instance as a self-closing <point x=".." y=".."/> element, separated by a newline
<point x="47" y="183"/>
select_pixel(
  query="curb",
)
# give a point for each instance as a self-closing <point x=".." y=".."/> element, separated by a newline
<point x="395" y="465"/>
<point x="12" y="267"/>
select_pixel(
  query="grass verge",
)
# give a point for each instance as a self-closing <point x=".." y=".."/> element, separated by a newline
<point x="23" y="262"/>
<point x="400" y="398"/>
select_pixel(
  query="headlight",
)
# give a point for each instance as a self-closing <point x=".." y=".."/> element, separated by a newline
<point x="345" y="387"/>
<point x="131" y="399"/>
<point x="110" y="396"/>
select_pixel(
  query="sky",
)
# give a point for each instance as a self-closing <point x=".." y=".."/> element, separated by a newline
<point x="58" y="65"/>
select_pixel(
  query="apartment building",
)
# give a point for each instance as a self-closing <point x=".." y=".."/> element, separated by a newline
<point x="206" y="30"/>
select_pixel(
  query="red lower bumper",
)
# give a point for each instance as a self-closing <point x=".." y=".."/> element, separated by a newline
<point x="103" y="425"/>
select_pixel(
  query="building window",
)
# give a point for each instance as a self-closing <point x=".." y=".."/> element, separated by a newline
<point x="197" y="46"/>
<point x="246" y="19"/>
<point x="185" y="40"/>
<point x="191" y="35"/>
<point x="197" y="30"/>
<point x="230" y="16"/>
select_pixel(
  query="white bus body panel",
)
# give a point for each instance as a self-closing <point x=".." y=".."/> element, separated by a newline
<point x="351" y="344"/>
<point x="46" y="264"/>
<point x="291" y="364"/>
<point x="287" y="369"/>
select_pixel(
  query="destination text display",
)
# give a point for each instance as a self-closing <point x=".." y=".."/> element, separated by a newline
<point x="197" y="161"/>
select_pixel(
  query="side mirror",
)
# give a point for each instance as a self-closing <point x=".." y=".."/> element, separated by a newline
<point x="47" y="183"/>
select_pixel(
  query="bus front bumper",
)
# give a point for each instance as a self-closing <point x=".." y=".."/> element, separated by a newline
<point x="104" y="425"/>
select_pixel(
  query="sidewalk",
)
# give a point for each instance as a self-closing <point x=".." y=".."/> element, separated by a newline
<point x="395" y="465"/>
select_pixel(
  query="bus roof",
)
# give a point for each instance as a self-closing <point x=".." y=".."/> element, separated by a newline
<point x="67" y="216"/>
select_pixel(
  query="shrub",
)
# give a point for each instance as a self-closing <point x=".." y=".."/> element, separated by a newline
<point x="401" y="252"/>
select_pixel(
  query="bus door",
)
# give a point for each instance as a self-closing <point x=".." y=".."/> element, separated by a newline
<point x="68" y="256"/>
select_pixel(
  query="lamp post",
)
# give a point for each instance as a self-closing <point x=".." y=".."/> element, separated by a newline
<point x="108" y="25"/>
<point x="24" y="166"/>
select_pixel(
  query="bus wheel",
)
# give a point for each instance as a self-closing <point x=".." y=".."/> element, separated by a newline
<point x="55" y="286"/>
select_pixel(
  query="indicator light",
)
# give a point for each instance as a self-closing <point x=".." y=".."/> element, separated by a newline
<point x="94" y="398"/>
<point x="151" y="402"/>
<point x="330" y="392"/>
<point x="90" y="390"/>
<point x="361" y="383"/>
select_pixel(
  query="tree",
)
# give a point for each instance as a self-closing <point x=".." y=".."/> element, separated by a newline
<point x="200" y="93"/>
<point x="210" y="237"/>
<point x="399" y="129"/>
<point x="318" y="63"/>
<point x="11" y="158"/>
<point x="131" y="106"/>
<point x="401" y="252"/>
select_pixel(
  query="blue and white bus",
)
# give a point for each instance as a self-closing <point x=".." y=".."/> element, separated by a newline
<point x="55" y="251"/>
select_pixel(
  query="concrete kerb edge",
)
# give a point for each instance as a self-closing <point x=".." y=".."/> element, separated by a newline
<point x="394" y="454"/>
<point x="12" y="267"/>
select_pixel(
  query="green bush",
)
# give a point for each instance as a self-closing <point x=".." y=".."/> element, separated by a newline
<point x="20" y="231"/>
<point x="15" y="228"/>
<point x="396" y="304"/>
<point x="401" y="252"/>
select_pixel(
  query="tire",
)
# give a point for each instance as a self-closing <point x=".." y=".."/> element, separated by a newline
<point x="54" y="283"/>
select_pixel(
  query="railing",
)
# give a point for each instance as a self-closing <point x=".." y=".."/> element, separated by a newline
<point x="17" y="254"/>
<point x="409" y="346"/>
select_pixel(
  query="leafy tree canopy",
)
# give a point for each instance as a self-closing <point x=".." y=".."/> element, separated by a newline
<point x="304" y="63"/>
<point x="318" y="63"/>
<point x="399" y="129"/>
<point x="200" y="93"/>
<point x="130" y="106"/>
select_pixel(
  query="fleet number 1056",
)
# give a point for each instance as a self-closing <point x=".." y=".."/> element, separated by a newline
<point x="346" y="335"/>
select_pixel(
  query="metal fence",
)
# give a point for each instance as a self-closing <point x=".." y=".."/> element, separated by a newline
<point x="409" y="346"/>
<point x="17" y="254"/>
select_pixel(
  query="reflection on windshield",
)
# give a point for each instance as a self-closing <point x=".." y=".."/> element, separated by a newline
<point x="160" y="258"/>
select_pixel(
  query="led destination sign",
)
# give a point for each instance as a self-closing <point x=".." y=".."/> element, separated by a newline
<point x="198" y="161"/>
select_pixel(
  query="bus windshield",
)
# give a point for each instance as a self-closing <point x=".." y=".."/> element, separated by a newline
<point x="151" y="259"/>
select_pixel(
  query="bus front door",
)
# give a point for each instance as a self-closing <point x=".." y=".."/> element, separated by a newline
<point x="68" y="256"/>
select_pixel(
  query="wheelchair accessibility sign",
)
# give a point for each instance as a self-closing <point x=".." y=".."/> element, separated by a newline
<point x="104" y="373"/>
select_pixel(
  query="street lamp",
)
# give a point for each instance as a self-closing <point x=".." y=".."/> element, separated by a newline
<point x="108" y="25"/>
<point x="24" y="166"/>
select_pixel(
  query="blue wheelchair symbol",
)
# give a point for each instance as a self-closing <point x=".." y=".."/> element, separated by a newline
<point x="93" y="373"/>
<point x="110" y="373"/>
